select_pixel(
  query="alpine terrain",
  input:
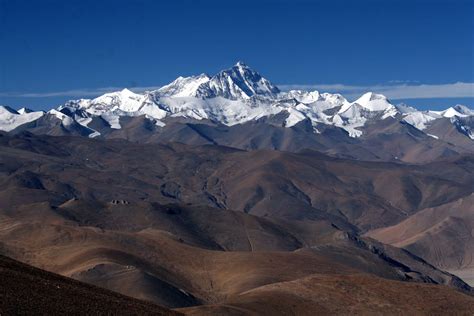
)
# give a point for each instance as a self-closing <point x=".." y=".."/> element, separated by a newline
<point x="224" y="195"/>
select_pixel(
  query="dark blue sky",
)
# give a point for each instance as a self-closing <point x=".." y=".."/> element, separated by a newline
<point x="60" y="46"/>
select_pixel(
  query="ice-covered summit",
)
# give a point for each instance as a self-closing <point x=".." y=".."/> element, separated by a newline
<point x="238" y="82"/>
<point x="374" y="102"/>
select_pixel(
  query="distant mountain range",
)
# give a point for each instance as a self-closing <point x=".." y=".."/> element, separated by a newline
<point x="239" y="96"/>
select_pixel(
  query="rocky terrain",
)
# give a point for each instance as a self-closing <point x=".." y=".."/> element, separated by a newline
<point x="225" y="195"/>
<point x="213" y="226"/>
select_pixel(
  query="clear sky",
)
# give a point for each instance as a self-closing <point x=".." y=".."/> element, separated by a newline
<point x="55" y="50"/>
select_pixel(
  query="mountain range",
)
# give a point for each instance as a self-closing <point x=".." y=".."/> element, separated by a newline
<point x="223" y="195"/>
<point x="217" y="109"/>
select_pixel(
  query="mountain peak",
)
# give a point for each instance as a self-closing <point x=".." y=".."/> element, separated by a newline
<point x="126" y="91"/>
<point x="10" y="118"/>
<point x="451" y="112"/>
<point x="370" y="96"/>
<point x="374" y="102"/>
<point x="241" y="64"/>
<point x="235" y="83"/>
<point x="25" y="110"/>
<point x="238" y="82"/>
<point x="7" y="109"/>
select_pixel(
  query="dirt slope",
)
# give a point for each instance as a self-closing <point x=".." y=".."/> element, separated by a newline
<point x="342" y="295"/>
<point x="28" y="290"/>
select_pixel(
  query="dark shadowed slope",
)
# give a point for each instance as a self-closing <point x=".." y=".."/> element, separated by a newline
<point x="28" y="290"/>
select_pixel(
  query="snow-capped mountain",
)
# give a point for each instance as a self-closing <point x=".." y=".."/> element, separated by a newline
<point x="183" y="87"/>
<point x="236" y="83"/>
<point x="457" y="115"/>
<point x="11" y="119"/>
<point x="235" y="96"/>
<point x="111" y="106"/>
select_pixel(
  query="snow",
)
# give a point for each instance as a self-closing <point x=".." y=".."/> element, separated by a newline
<point x="420" y="119"/>
<point x="294" y="117"/>
<point x="94" y="134"/>
<point x="124" y="100"/>
<point x="183" y="87"/>
<point x="160" y="123"/>
<point x="334" y="99"/>
<point x="391" y="111"/>
<point x="24" y="110"/>
<point x="403" y="108"/>
<point x="235" y="96"/>
<point x="463" y="110"/>
<point x="84" y="121"/>
<point x="374" y="102"/>
<point x="228" y="112"/>
<point x="112" y="119"/>
<point x="352" y="118"/>
<point x="237" y="83"/>
<point x="65" y="119"/>
<point x="466" y="128"/>
<point x="303" y="96"/>
<point x="11" y="119"/>
<point x="239" y="94"/>
<point x="353" y="132"/>
<point x="150" y="110"/>
<point x="451" y="112"/>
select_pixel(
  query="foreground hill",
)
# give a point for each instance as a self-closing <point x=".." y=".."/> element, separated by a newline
<point x="28" y="290"/>
<point x="342" y="295"/>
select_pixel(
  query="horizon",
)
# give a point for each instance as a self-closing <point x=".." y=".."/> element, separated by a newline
<point x="353" y="93"/>
<point x="416" y="52"/>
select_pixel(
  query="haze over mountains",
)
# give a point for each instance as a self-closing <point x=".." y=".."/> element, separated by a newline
<point x="224" y="195"/>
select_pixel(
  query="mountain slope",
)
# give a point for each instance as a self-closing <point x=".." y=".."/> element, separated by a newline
<point x="294" y="185"/>
<point x="28" y="290"/>
<point x="185" y="225"/>
<point x="341" y="295"/>
<point x="442" y="235"/>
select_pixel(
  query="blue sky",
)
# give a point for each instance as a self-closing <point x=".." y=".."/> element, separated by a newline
<point x="52" y="51"/>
